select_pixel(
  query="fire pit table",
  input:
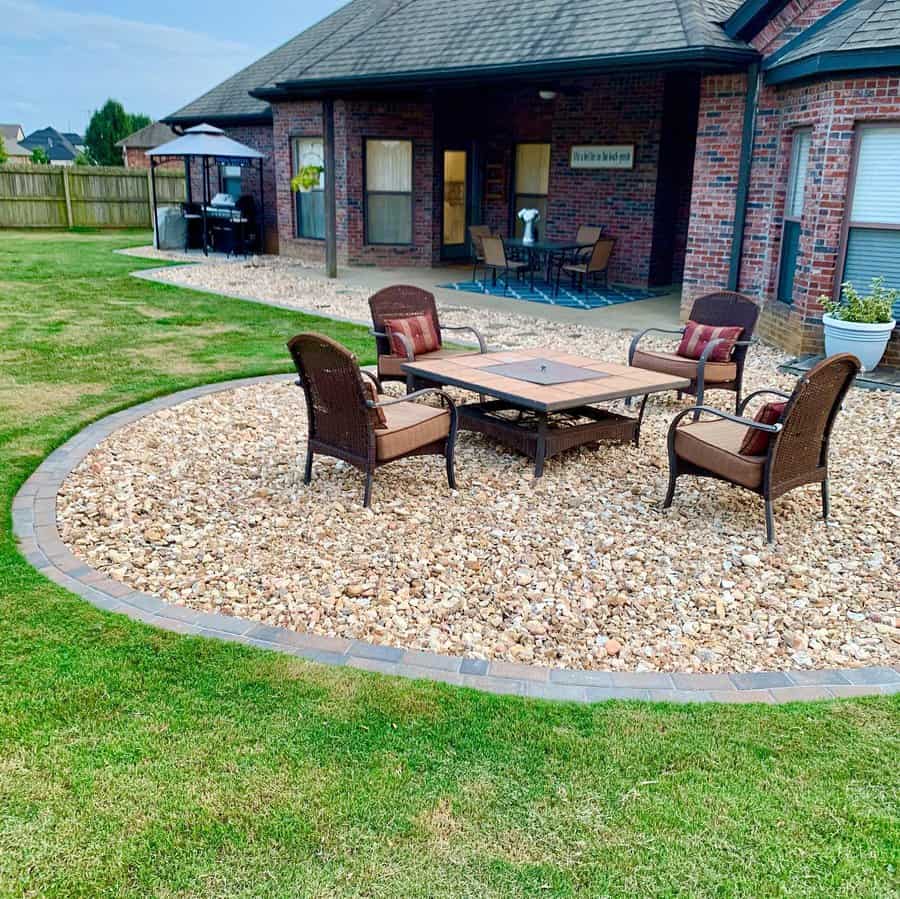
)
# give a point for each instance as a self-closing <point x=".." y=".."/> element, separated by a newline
<point x="544" y="401"/>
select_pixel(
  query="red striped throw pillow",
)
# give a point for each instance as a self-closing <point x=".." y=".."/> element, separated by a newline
<point x="421" y="331"/>
<point x="697" y="336"/>
<point x="755" y="442"/>
<point x="379" y="419"/>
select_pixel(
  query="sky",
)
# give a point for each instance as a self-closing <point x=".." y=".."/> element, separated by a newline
<point x="64" y="59"/>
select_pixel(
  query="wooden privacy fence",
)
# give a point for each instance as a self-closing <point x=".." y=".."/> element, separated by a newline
<point x="47" y="196"/>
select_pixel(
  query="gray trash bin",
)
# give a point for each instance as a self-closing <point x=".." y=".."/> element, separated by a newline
<point x="171" y="228"/>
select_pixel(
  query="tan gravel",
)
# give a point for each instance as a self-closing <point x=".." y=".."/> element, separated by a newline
<point x="554" y="572"/>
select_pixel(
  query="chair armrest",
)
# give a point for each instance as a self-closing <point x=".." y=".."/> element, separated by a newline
<point x="756" y="393"/>
<point x="737" y="419"/>
<point x="374" y="378"/>
<point x="482" y="345"/>
<point x="427" y="391"/>
<point x="375" y="333"/>
<point x="638" y="337"/>
<point x="407" y="343"/>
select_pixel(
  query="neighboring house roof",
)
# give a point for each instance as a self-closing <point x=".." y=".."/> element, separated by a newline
<point x="12" y="133"/>
<point x="858" y="35"/>
<point x="368" y="41"/>
<point x="150" y="136"/>
<point x="57" y="147"/>
<point x="75" y="139"/>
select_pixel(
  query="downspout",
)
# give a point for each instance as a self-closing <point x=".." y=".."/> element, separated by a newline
<point x="743" y="186"/>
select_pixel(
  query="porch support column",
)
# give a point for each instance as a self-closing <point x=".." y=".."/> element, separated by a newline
<point x="743" y="185"/>
<point x="330" y="189"/>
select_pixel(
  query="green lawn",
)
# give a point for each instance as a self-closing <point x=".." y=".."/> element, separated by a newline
<point x="140" y="763"/>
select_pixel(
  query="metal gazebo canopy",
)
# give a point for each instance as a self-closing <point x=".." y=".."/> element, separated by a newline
<point x="207" y="142"/>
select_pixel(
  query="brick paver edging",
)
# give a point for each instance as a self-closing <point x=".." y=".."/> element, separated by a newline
<point x="34" y="524"/>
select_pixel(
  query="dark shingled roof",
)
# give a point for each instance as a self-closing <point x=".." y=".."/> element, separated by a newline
<point x="858" y="34"/>
<point x="406" y="39"/>
<point x="57" y="147"/>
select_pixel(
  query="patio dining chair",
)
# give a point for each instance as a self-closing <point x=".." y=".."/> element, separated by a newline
<point x="783" y="447"/>
<point x="728" y="318"/>
<point x="350" y="420"/>
<point x="477" y="234"/>
<point x="496" y="259"/>
<point x="595" y="266"/>
<point x="402" y="301"/>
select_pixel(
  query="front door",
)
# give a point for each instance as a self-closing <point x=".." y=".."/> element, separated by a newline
<point x="454" y="234"/>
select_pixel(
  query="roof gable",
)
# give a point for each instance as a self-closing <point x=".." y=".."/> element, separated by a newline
<point x="858" y="35"/>
<point x="54" y="144"/>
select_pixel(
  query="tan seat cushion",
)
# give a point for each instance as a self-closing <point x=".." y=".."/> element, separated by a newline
<point x="714" y="445"/>
<point x="673" y="364"/>
<point x="410" y="425"/>
<point x="389" y="366"/>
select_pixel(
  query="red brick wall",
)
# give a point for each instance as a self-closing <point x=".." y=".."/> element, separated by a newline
<point x="716" y="163"/>
<point x="832" y="109"/>
<point x="413" y="121"/>
<point x="290" y="120"/>
<point x="797" y="16"/>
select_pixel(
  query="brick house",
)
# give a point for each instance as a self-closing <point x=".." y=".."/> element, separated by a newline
<point x="134" y="147"/>
<point x="751" y="145"/>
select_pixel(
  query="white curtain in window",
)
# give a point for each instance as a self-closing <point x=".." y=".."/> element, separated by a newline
<point x="533" y="169"/>
<point x="389" y="165"/>
<point x="876" y="196"/>
<point x="797" y="179"/>
<point x="309" y="151"/>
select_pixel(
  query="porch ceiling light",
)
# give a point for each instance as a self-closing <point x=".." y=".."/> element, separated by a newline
<point x="547" y="95"/>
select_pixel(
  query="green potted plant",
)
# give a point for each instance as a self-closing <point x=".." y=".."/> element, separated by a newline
<point x="860" y="324"/>
<point x="307" y="178"/>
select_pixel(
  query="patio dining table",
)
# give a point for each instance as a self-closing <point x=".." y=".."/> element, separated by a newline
<point x="543" y="248"/>
<point x="544" y="401"/>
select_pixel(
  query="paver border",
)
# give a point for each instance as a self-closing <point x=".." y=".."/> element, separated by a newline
<point x="35" y="527"/>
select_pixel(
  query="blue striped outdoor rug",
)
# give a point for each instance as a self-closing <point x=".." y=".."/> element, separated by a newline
<point x="542" y="292"/>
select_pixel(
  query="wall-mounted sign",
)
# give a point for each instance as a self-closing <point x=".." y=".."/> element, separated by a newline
<point x="603" y="156"/>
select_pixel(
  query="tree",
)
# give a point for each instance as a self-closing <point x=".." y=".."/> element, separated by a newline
<point x="4" y="156"/>
<point x="84" y="159"/>
<point x="39" y="156"/>
<point x="110" y="124"/>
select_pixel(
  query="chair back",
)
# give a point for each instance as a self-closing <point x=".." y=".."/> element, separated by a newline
<point x="588" y="234"/>
<point x="398" y="301"/>
<point x="801" y="447"/>
<point x="335" y="396"/>
<point x="494" y="252"/>
<point x="600" y="254"/>
<point x="725" y="308"/>
<point x="477" y="233"/>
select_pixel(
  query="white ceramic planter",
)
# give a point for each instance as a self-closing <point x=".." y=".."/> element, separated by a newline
<point x="866" y="341"/>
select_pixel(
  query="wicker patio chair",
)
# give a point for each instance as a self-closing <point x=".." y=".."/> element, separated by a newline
<point x="594" y="266"/>
<point x="477" y="233"/>
<point x="720" y="309"/>
<point x="498" y="261"/>
<point x="344" y="419"/>
<point x="797" y="452"/>
<point x="396" y="302"/>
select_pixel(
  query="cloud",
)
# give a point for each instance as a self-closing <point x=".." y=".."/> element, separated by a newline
<point x="28" y="21"/>
<point x="63" y="64"/>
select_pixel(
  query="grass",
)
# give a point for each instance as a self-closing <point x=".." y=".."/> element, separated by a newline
<point x="141" y="763"/>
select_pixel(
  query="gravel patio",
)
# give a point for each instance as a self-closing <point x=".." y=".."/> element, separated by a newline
<point x="203" y="505"/>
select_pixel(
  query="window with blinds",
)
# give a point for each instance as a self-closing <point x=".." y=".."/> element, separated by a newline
<point x="389" y="205"/>
<point x="310" y="205"/>
<point x="532" y="182"/>
<point x="873" y="235"/>
<point x="793" y="214"/>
